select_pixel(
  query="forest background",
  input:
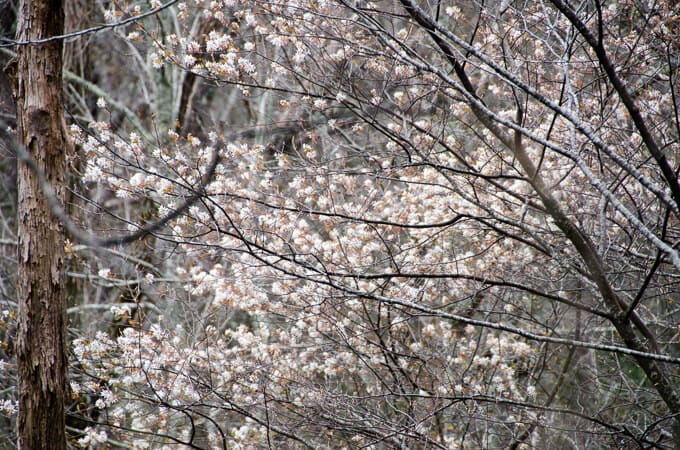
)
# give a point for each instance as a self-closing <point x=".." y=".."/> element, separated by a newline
<point x="345" y="224"/>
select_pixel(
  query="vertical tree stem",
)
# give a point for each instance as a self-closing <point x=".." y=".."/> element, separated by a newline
<point x="40" y="341"/>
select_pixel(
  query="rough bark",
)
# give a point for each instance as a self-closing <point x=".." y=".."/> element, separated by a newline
<point x="40" y="343"/>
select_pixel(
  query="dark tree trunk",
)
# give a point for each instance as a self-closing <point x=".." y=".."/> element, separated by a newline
<point x="40" y="343"/>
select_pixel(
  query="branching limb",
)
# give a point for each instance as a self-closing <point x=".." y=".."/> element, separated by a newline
<point x="85" y="238"/>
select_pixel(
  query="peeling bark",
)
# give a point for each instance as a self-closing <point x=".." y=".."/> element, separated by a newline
<point x="40" y="344"/>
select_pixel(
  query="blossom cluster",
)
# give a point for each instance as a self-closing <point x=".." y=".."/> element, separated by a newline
<point x="335" y="264"/>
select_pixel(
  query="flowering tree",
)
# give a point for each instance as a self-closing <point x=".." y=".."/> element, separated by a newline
<point x="430" y="226"/>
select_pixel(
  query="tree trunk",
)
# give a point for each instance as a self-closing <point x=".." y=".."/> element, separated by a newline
<point x="40" y="343"/>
